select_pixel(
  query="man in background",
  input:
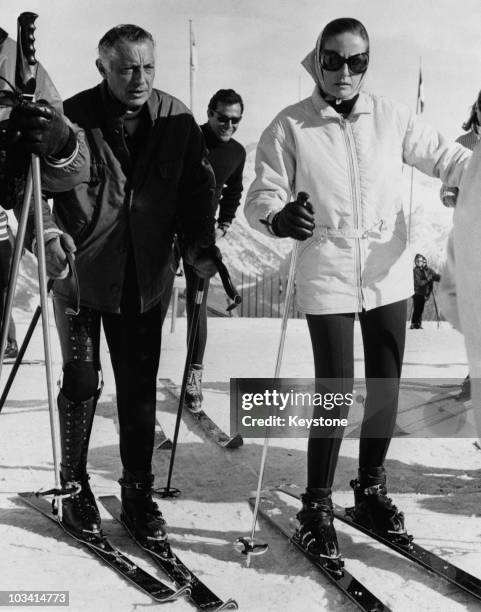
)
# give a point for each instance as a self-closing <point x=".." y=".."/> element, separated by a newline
<point x="227" y="158"/>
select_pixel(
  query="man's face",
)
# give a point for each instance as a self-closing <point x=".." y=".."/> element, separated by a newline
<point x="420" y="262"/>
<point x="129" y="69"/>
<point x="224" y="120"/>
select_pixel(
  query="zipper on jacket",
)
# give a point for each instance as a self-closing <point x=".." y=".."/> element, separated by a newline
<point x="356" y="200"/>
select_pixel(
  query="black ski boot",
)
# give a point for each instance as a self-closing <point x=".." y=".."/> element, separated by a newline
<point x="193" y="390"/>
<point x="140" y="513"/>
<point x="374" y="510"/>
<point x="80" y="515"/>
<point x="316" y="533"/>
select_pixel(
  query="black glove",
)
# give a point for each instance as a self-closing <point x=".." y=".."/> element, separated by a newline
<point x="39" y="128"/>
<point x="203" y="260"/>
<point x="295" y="220"/>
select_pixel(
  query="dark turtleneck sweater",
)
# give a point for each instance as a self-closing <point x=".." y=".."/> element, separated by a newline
<point x="344" y="107"/>
<point x="227" y="160"/>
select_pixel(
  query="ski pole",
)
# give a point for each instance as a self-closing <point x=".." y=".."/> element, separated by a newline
<point x="228" y="285"/>
<point x="22" y="350"/>
<point x="248" y="546"/>
<point x="233" y="294"/>
<point x="15" y="265"/>
<point x="435" y="308"/>
<point x="73" y="305"/>
<point x="42" y="278"/>
<point x="168" y="491"/>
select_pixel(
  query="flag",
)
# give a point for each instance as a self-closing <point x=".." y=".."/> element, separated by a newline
<point x="420" y="100"/>
<point x="193" y="49"/>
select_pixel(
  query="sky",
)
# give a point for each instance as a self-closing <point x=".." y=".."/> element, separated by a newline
<point x="256" y="48"/>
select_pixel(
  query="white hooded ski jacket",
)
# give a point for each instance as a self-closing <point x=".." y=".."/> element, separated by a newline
<point x="358" y="257"/>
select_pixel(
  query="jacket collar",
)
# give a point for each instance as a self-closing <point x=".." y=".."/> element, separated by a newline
<point x="363" y="106"/>
<point x="115" y="110"/>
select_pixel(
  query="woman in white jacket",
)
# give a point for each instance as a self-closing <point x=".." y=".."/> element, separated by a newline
<point x="346" y="148"/>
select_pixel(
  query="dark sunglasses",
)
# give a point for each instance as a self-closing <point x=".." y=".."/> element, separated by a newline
<point x="332" y="61"/>
<point x="224" y="119"/>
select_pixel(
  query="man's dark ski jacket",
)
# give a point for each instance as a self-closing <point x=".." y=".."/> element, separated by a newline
<point x="136" y="209"/>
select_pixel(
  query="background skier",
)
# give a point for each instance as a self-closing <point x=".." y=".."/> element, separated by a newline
<point x="424" y="278"/>
<point x="227" y="158"/>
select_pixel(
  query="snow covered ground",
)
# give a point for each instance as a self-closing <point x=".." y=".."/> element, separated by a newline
<point x="436" y="481"/>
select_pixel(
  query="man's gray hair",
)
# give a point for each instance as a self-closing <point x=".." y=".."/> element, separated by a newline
<point x="127" y="32"/>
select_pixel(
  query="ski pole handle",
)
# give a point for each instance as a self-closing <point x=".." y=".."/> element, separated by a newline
<point x="26" y="65"/>
<point x="303" y="198"/>
<point x="228" y="285"/>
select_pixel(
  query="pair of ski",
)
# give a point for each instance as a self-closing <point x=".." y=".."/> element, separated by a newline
<point x="186" y="582"/>
<point x="270" y="509"/>
<point x="211" y="429"/>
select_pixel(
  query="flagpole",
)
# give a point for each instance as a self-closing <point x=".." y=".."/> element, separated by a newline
<point x="410" y="205"/>
<point x="419" y="110"/>
<point x="191" y="66"/>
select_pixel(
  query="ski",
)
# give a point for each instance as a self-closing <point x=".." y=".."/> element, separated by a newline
<point x="161" y="441"/>
<point x="153" y="587"/>
<point x="213" y="431"/>
<point x="12" y="361"/>
<point x="345" y="582"/>
<point x="200" y="595"/>
<point x="412" y="551"/>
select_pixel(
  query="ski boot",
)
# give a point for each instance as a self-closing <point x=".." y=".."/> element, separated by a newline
<point x="80" y="515"/>
<point x="316" y="533"/>
<point x="374" y="510"/>
<point x="193" y="391"/>
<point x="11" y="350"/>
<point x="140" y="513"/>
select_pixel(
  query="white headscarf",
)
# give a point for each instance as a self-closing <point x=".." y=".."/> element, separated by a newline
<point x="312" y="64"/>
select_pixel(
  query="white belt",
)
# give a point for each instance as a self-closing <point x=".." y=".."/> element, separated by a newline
<point x="324" y="232"/>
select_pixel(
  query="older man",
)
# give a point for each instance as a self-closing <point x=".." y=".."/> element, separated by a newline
<point x="149" y="180"/>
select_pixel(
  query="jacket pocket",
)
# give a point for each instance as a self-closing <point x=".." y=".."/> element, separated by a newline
<point x="80" y="218"/>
